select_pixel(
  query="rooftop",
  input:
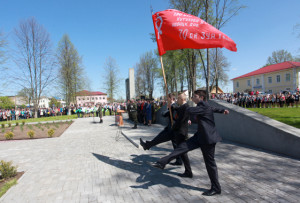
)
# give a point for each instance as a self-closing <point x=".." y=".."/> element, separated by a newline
<point x="271" y="68"/>
<point x="88" y="93"/>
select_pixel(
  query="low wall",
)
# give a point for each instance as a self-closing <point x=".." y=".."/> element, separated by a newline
<point x="159" y="118"/>
<point x="250" y="128"/>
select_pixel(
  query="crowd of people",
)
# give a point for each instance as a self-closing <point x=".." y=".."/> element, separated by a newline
<point x="88" y="111"/>
<point x="26" y="113"/>
<point x="144" y="110"/>
<point x="259" y="100"/>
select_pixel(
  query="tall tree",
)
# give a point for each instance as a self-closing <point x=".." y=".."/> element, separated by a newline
<point x="146" y="74"/>
<point x="140" y="80"/>
<point x="194" y="7"/>
<point x="26" y="94"/>
<point x="71" y="73"/>
<point x="215" y="12"/>
<point x="34" y="59"/>
<point x="219" y="68"/>
<point x="111" y="80"/>
<point x="279" y="56"/>
<point x="223" y="10"/>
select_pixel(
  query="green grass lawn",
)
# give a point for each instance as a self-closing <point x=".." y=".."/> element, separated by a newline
<point x="7" y="185"/>
<point x="290" y="116"/>
<point x="52" y="118"/>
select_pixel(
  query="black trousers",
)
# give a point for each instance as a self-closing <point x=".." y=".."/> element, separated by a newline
<point x="208" y="152"/>
<point x="170" y="135"/>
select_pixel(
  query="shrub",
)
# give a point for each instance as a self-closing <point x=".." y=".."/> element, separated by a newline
<point x="23" y="122"/>
<point x="2" y="125"/>
<point x="50" y="132"/>
<point x="31" y="133"/>
<point x="9" y="124"/>
<point x="7" y="170"/>
<point x="17" y="123"/>
<point x="9" y="135"/>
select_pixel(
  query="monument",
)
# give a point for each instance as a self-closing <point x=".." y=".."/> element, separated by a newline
<point x="130" y="85"/>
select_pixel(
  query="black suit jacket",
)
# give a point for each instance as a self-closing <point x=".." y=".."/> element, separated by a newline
<point x="174" y="108"/>
<point x="206" y="133"/>
<point x="181" y="124"/>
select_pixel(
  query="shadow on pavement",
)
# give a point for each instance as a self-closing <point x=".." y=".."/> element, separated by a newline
<point x="148" y="176"/>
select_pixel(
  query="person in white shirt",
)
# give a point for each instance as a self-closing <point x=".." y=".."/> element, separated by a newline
<point x="17" y="114"/>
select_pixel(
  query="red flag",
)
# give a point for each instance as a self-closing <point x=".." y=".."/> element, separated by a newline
<point x="178" y="30"/>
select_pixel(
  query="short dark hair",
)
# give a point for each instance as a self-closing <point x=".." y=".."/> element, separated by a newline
<point x="170" y="95"/>
<point x="201" y="93"/>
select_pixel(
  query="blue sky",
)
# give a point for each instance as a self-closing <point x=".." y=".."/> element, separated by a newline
<point x="120" y="29"/>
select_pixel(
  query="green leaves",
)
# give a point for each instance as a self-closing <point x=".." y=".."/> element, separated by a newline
<point x="6" y="103"/>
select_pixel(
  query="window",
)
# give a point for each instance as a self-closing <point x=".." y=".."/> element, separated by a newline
<point x="287" y="77"/>
<point x="248" y="82"/>
<point x="269" y="80"/>
<point x="96" y="98"/>
<point x="88" y="98"/>
<point x="92" y="98"/>
<point x="257" y="81"/>
<point x="237" y="84"/>
<point x="78" y="99"/>
<point x="103" y="97"/>
<point x="99" y="98"/>
<point x="270" y="91"/>
<point x="278" y="78"/>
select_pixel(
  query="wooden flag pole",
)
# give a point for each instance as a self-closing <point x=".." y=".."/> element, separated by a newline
<point x="163" y="71"/>
<point x="166" y="86"/>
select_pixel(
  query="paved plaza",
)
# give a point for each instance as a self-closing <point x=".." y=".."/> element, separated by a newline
<point x="93" y="162"/>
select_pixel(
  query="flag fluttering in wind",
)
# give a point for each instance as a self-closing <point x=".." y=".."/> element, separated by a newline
<point x="178" y="30"/>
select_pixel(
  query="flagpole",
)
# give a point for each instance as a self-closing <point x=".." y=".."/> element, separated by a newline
<point x="163" y="71"/>
<point x="166" y="86"/>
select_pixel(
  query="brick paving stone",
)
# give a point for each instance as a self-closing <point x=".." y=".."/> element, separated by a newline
<point x="87" y="164"/>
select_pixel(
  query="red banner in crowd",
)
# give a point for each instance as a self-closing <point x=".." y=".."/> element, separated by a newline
<point x="178" y="30"/>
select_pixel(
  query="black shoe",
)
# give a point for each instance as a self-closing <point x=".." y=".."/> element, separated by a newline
<point x="185" y="175"/>
<point x="176" y="163"/>
<point x="134" y="127"/>
<point x="143" y="144"/>
<point x="157" y="165"/>
<point x="211" y="192"/>
<point x="101" y="121"/>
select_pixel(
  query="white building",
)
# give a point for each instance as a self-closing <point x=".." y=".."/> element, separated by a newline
<point x="87" y="98"/>
<point x="44" y="102"/>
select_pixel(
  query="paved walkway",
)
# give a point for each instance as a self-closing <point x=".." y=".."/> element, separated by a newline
<point x="88" y="164"/>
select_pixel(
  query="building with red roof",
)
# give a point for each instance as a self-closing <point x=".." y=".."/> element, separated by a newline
<point x="274" y="78"/>
<point x="87" y="98"/>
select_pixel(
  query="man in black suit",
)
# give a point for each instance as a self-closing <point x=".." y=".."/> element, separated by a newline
<point x="206" y="138"/>
<point x="178" y="134"/>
